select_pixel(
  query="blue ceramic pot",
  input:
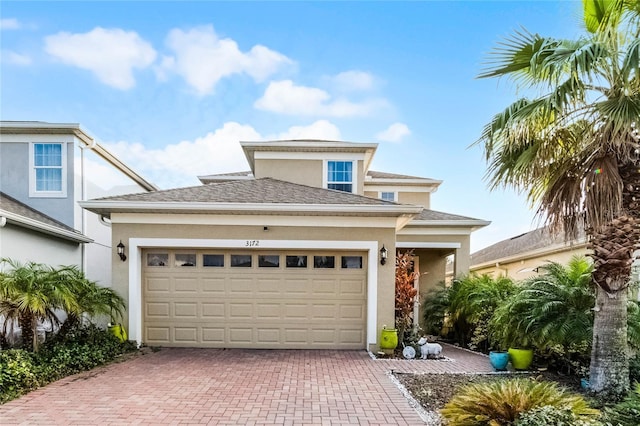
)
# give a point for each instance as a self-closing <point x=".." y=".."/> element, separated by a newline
<point x="499" y="360"/>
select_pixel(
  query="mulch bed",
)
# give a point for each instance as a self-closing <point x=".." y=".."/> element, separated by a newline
<point x="433" y="391"/>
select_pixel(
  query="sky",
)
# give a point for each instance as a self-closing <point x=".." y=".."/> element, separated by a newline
<point x="172" y="87"/>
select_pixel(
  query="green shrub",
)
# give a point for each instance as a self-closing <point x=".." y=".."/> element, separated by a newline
<point x="502" y="402"/>
<point x="17" y="373"/>
<point x="627" y="412"/>
<point x="634" y="369"/>
<point x="553" y="416"/>
<point x="80" y="349"/>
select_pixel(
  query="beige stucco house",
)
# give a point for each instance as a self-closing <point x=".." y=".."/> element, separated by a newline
<point x="286" y="255"/>
<point x="520" y="257"/>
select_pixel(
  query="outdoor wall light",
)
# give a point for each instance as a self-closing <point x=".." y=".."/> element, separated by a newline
<point x="383" y="255"/>
<point x="120" y="247"/>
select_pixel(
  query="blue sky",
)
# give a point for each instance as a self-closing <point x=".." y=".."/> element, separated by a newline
<point x="171" y="87"/>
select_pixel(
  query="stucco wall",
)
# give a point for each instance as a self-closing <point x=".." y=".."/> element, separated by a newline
<point x="304" y="172"/>
<point x="417" y="198"/>
<point x="25" y="245"/>
<point x="522" y="269"/>
<point x="386" y="236"/>
<point x="14" y="175"/>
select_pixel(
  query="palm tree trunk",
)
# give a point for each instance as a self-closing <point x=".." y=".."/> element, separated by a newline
<point x="609" y="370"/>
<point x="25" y="321"/>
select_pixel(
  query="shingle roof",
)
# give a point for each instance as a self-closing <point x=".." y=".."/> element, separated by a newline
<point x="436" y="215"/>
<point x="529" y="241"/>
<point x="23" y="213"/>
<point x="264" y="190"/>
<point x="383" y="175"/>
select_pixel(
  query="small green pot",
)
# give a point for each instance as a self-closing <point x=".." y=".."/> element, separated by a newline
<point x="389" y="338"/>
<point x="521" y="359"/>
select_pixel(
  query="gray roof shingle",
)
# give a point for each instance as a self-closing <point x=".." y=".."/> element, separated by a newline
<point x="383" y="175"/>
<point x="436" y="215"/>
<point x="533" y="240"/>
<point x="255" y="191"/>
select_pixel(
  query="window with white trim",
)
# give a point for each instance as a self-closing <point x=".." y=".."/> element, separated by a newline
<point x="340" y="175"/>
<point x="388" y="196"/>
<point x="48" y="170"/>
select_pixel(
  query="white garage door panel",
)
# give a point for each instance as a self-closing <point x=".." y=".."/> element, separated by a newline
<point x="254" y="307"/>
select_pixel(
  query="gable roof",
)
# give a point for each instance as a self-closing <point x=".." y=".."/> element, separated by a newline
<point x="393" y="178"/>
<point x="265" y="195"/>
<point x="41" y="127"/>
<point x="436" y="218"/>
<point x="13" y="211"/>
<point x="541" y="239"/>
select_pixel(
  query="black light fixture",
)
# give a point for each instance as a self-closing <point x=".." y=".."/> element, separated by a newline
<point x="383" y="255"/>
<point x="120" y="247"/>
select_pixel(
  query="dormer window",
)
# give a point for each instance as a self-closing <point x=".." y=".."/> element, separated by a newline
<point x="340" y="175"/>
<point x="48" y="170"/>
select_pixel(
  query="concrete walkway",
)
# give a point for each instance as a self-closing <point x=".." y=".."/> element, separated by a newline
<point x="232" y="387"/>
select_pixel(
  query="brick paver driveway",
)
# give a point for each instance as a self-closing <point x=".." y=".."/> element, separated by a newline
<point x="248" y="387"/>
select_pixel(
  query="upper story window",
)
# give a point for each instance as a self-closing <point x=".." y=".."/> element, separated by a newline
<point x="388" y="196"/>
<point x="340" y="175"/>
<point x="48" y="170"/>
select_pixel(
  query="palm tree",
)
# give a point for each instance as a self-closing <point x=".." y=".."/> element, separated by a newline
<point x="574" y="149"/>
<point x="29" y="296"/>
<point x="88" y="298"/>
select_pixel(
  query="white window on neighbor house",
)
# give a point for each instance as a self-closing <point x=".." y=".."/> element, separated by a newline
<point x="388" y="196"/>
<point x="48" y="164"/>
<point x="340" y="175"/>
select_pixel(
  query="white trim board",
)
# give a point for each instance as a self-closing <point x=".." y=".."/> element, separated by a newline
<point x="408" y="244"/>
<point x="135" y="270"/>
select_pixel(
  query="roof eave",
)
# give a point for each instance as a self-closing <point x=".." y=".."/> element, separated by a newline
<point x="474" y="224"/>
<point x="45" y="228"/>
<point x="107" y="207"/>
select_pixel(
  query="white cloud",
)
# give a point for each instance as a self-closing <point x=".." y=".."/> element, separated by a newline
<point x="111" y="54"/>
<point x="179" y="164"/>
<point x="10" y="24"/>
<point x="394" y="133"/>
<point x="219" y="151"/>
<point x="284" y="97"/>
<point x="321" y="129"/>
<point x="353" y="80"/>
<point x="203" y="59"/>
<point x="14" y="58"/>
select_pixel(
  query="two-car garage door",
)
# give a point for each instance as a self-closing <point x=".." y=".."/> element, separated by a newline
<point x="254" y="299"/>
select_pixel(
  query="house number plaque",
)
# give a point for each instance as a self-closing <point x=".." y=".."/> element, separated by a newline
<point x="252" y="243"/>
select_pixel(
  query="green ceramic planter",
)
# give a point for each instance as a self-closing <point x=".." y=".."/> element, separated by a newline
<point x="389" y="338"/>
<point x="521" y="359"/>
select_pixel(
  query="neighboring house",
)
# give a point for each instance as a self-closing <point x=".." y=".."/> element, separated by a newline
<point x="45" y="169"/>
<point x="287" y="255"/>
<point x="520" y="257"/>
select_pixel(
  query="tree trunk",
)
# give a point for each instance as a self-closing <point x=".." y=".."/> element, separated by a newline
<point x="25" y="321"/>
<point x="609" y="370"/>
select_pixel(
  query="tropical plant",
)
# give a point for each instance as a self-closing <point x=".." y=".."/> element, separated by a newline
<point x="574" y="149"/>
<point x="31" y="293"/>
<point x="90" y="298"/>
<point x="554" y="416"/>
<point x="626" y="412"/>
<point x="502" y="402"/>
<point x="466" y="306"/>
<point x="405" y="292"/>
<point x="552" y="308"/>
<point x="29" y="296"/>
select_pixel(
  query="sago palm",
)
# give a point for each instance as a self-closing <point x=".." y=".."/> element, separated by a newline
<point x="574" y="148"/>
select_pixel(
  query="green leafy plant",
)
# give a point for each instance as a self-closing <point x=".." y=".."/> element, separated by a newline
<point x="502" y="402"/>
<point x="465" y="307"/>
<point x="627" y="412"/>
<point x="18" y="373"/>
<point x="554" y="416"/>
<point x="81" y="349"/>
